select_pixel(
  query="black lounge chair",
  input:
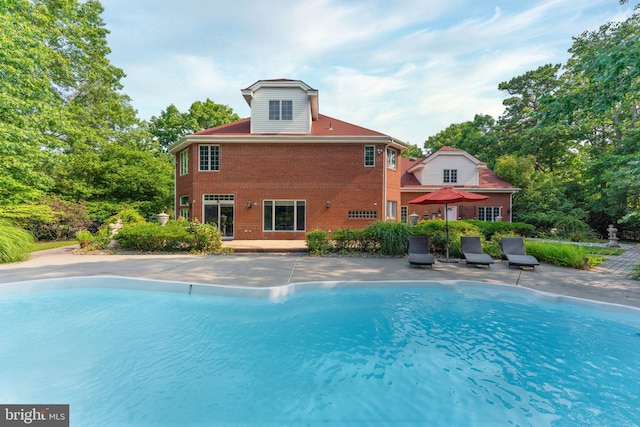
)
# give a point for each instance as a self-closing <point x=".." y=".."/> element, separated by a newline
<point x="419" y="251"/>
<point x="472" y="251"/>
<point x="513" y="251"/>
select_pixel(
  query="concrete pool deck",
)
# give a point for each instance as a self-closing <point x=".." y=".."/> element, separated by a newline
<point x="276" y="263"/>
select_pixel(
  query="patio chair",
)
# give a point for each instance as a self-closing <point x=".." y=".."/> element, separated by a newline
<point x="472" y="251"/>
<point x="419" y="251"/>
<point x="514" y="252"/>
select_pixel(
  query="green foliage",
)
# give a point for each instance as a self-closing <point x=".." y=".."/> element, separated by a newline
<point x="53" y="219"/>
<point x="563" y="255"/>
<point x="488" y="229"/>
<point x="477" y="137"/>
<point x="635" y="274"/>
<point x="172" y="125"/>
<point x="413" y="151"/>
<point x="318" y="242"/>
<point x="174" y="236"/>
<point x="348" y="240"/>
<point x="128" y="216"/>
<point x="631" y="221"/>
<point x="15" y="243"/>
<point x="207" y="238"/>
<point x="436" y="231"/>
<point x="391" y="237"/>
<point x="83" y="236"/>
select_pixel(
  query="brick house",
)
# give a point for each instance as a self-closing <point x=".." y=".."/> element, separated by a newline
<point x="451" y="167"/>
<point x="287" y="169"/>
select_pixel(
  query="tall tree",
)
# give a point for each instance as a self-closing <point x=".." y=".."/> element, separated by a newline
<point x="525" y="126"/>
<point x="171" y="124"/>
<point x="601" y="99"/>
<point x="28" y="104"/>
<point x="477" y="137"/>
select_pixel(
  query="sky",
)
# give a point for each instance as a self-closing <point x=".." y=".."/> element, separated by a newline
<point x="406" y="68"/>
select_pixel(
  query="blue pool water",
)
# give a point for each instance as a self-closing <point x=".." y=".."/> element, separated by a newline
<point x="435" y="355"/>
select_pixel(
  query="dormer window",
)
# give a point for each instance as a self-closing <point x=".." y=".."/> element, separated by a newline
<point x="450" y="176"/>
<point x="280" y="110"/>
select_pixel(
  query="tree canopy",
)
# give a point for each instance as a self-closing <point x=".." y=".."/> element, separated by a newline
<point x="67" y="131"/>
<point x="569" y="134"/>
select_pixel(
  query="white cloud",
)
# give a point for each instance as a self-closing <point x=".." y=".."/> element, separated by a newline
<point x="408" y="68"/>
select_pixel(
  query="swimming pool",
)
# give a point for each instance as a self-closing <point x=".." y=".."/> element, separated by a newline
<point x="402" y="353"/>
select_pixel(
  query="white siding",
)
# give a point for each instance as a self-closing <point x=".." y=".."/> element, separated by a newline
<point x="432" y="174"/>
<point x="260" y="122"/>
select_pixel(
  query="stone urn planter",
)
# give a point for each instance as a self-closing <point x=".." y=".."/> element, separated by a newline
<point x="163" y="218"/>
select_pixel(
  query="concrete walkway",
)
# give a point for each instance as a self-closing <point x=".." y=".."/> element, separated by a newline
<point x="271" y="268"/>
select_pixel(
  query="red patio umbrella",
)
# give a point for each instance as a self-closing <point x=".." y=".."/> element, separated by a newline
<point x="447" y="195"/>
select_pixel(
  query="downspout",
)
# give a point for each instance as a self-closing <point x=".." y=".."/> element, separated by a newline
<point x="384" y="181"/>
<point x="175" y="187"/>
<point x="511" y="206"/>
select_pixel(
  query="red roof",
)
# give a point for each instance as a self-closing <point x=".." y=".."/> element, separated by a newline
<point x="486" y="177"/>
<point x="324" y="126"/>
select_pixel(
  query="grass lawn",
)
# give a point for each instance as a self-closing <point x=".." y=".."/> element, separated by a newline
<point x="41" y="246"/>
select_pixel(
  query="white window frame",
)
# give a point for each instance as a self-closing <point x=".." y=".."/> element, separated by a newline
<point x="369" y="155"/>
<point x="392" y="159"/>
<point x="212" y="159"/>
<point x="392" y="210"/>
<point x="271" y="205"/>
<point x="450" y="176"/>
<point x="489" y="213"/>
<point x="281" y="109"/>
<point x="184" y="162"/>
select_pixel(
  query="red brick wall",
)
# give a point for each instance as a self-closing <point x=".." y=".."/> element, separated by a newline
<point x="315" y="173"/>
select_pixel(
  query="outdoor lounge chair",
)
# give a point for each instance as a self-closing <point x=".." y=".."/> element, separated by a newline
<point x="472" y="251"/>
<point x="513" y="251"/>
<point x="419" y="251"/>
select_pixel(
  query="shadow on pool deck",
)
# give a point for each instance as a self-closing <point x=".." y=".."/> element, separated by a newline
<point x="276" y="269"/>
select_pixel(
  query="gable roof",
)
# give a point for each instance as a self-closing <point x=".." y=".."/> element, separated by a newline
<point x="487" y="179"/>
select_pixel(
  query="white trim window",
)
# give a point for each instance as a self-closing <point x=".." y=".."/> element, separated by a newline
<point x="280" y="109"/>
<point x="184" y="162"/>
<point x="450" y="176"/>
<point x="392" y="159"/>
<point x="488" y="213"/>
<point x="284" y="215"/>
<point x="369" y="155"/>
<point x="392" y="210"/>
<point x="209" y="158"/>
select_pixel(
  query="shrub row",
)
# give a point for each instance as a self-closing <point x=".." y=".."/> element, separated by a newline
<point x="391" y="239"/>
<point x="178" y="235"/>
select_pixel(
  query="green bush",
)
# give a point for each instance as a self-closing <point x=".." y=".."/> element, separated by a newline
<point x="391" y="238"/>
<point x="318" y="242"/>
<point x="488" y="229"/>
<point x="563" y="255"/>
<point x="207" y="238"/>
<point x="435" y="229"/>
<point x="347" y="240"/>
<point x="174" y="236"/>
<point x="15" y="243"/>
<point x="84" y="236"/>
<point x="635" y="274"/>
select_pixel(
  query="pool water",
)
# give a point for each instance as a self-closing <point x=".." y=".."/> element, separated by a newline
<point x="385" y="356"/>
